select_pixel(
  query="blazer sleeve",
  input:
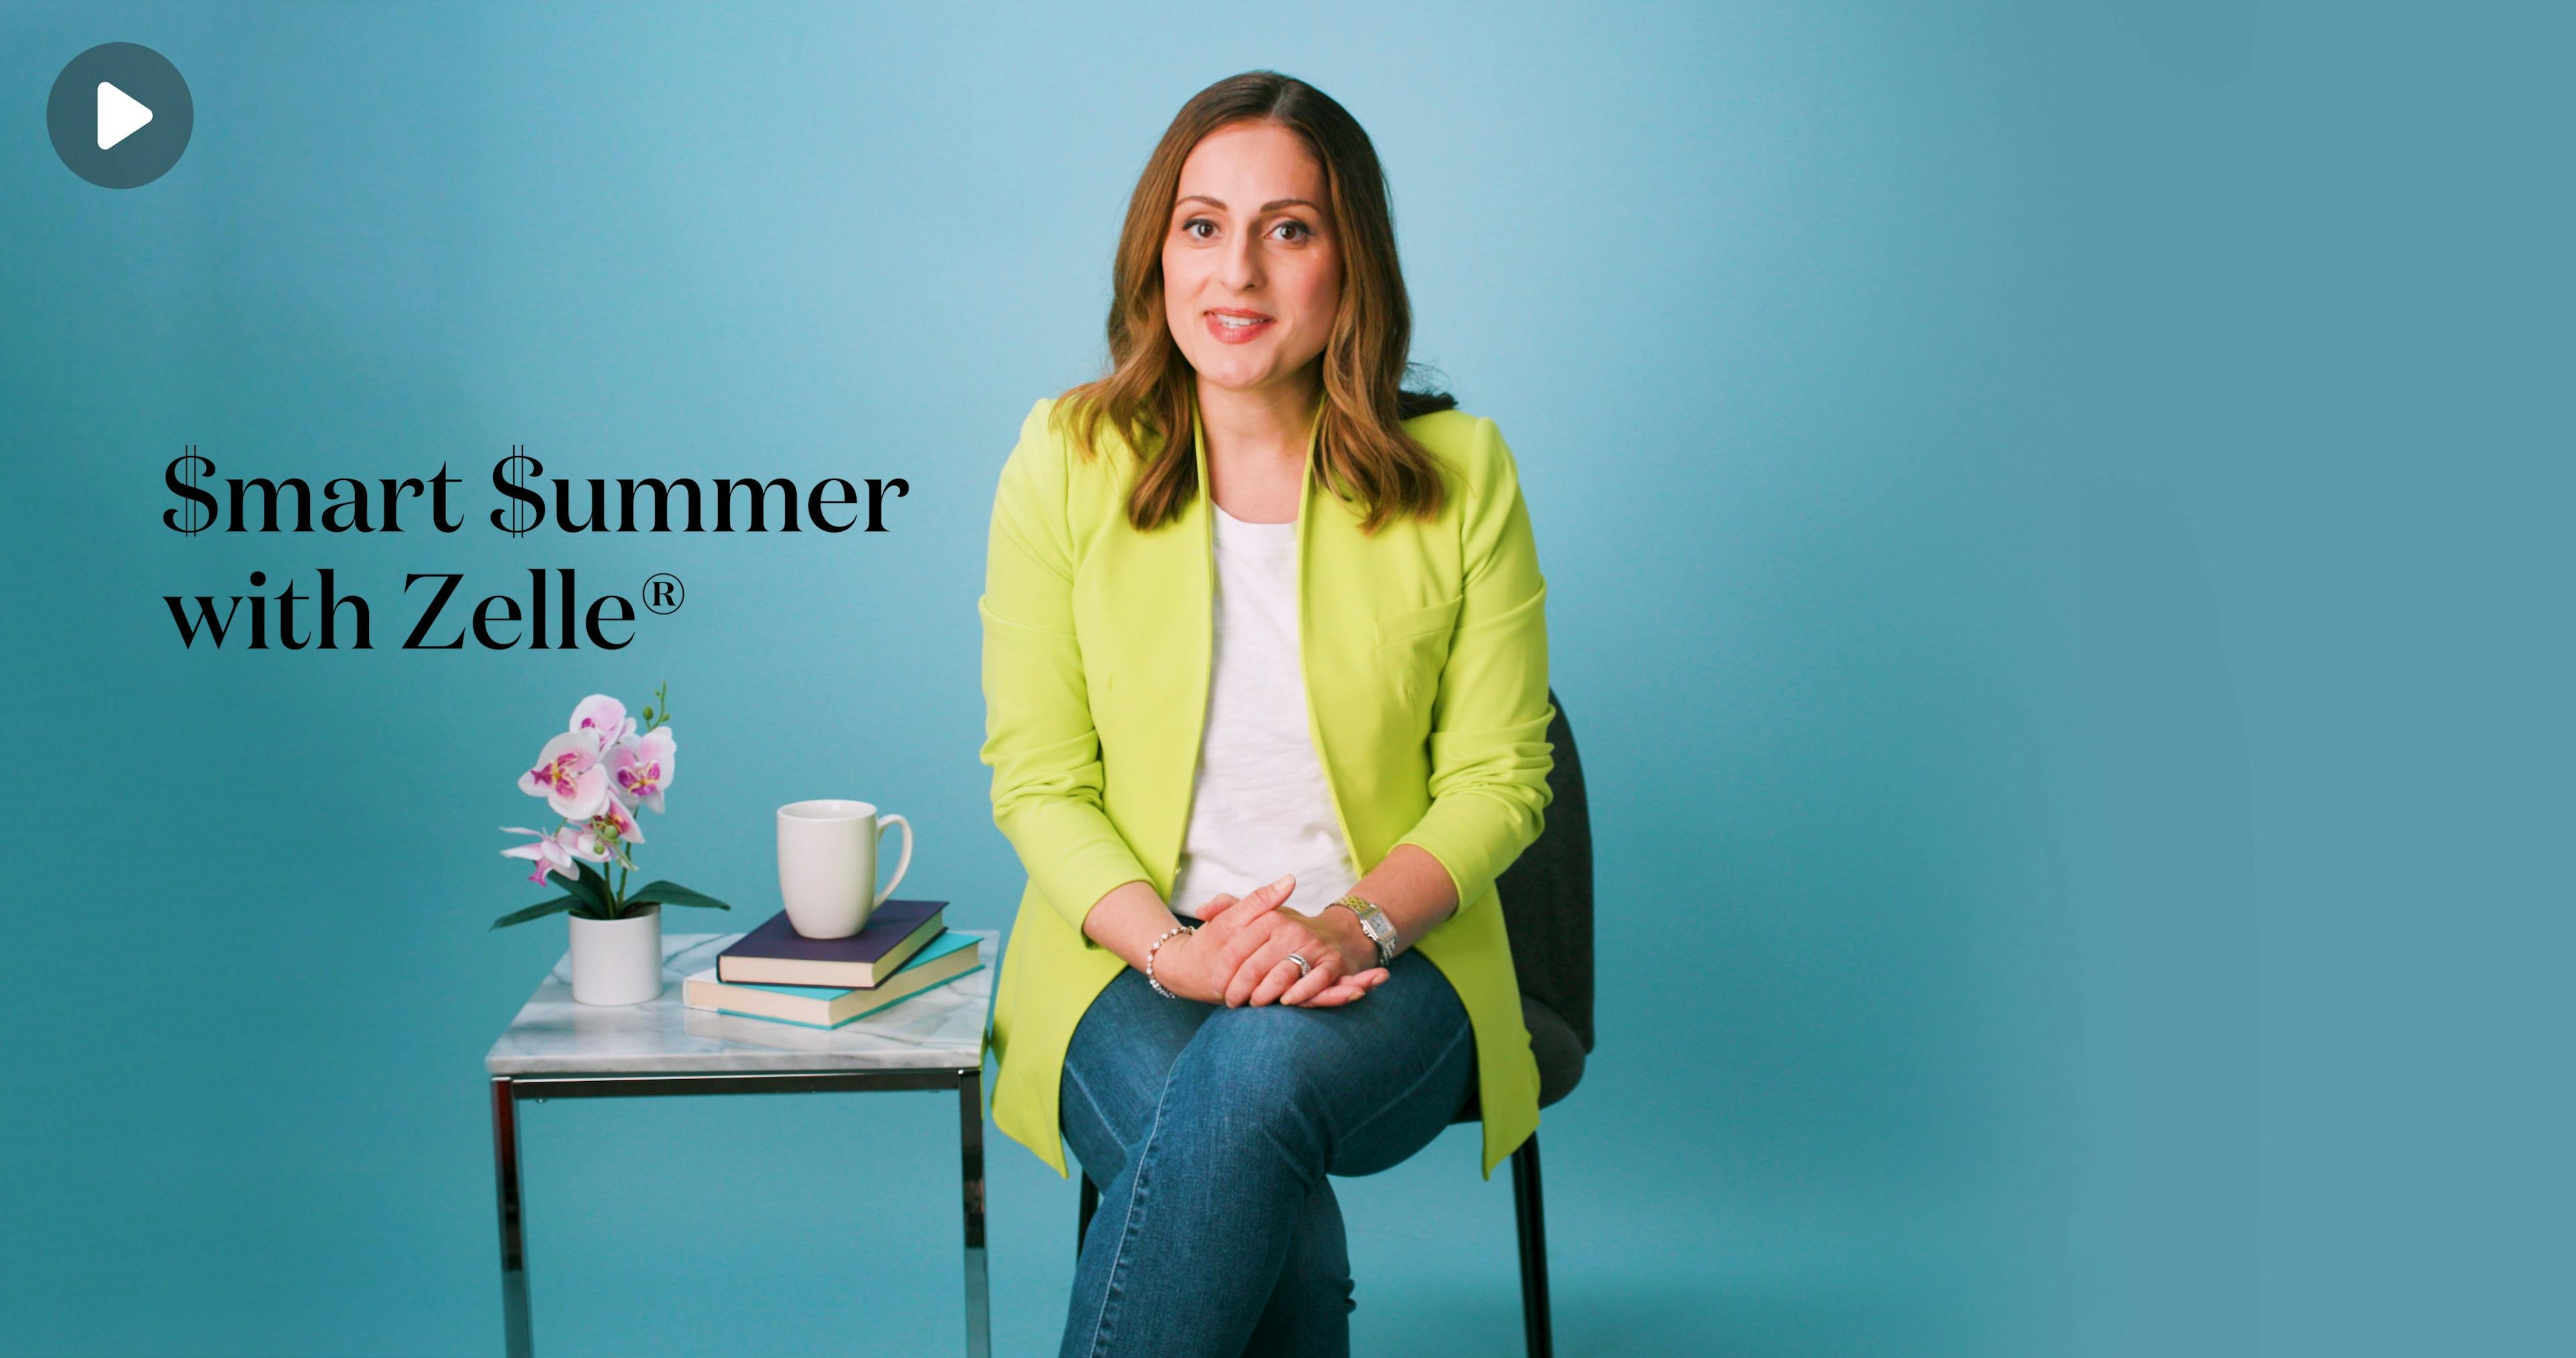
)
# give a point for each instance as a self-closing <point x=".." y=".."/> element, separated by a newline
<point x="1038" y="732"/>
<point x="1490" y="755"/>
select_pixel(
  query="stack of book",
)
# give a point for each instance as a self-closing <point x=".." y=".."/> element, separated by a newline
<point x="778" y="974"/>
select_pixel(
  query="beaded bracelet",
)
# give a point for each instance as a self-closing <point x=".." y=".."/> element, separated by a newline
<point x="1149" y="957"/>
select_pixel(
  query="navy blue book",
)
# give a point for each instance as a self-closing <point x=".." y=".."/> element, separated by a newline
<point x="776" y="954"/>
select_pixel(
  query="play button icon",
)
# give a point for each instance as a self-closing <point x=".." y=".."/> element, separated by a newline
<point x="120" y="115"/>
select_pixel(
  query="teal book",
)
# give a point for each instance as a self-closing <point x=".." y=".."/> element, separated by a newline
<point x="944" y="959"/>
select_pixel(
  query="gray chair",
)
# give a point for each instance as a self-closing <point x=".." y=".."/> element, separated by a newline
<point x="1547" y="911"/>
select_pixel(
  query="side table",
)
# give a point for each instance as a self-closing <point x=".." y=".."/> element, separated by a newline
<point x="558" y="1048"/>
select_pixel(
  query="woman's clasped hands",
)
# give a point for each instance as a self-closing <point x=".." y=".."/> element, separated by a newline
<point x="1239" y="955"/>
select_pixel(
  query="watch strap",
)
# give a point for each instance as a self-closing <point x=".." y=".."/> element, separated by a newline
<point x="1374" y="923"/>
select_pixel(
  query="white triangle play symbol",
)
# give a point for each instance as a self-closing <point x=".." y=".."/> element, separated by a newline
<point x="119" y="116"/>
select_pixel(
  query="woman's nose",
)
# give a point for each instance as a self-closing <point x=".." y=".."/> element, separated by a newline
<point x="1242" y="265"/>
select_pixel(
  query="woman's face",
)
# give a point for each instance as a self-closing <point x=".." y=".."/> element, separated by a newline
<point x="1249" y="239"/>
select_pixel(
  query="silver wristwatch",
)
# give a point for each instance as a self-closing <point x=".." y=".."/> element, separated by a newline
<point x="1375" y="924"/>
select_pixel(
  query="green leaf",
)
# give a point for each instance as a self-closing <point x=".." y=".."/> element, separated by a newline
<point x="538" y="911"/>
<point x="672" y="893"/>
<point x="591" y="891"/>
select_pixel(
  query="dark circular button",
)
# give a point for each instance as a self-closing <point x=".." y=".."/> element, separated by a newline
<point x="120" y="115"/>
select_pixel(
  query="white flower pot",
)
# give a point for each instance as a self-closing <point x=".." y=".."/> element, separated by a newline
<point x="618" y="961"/>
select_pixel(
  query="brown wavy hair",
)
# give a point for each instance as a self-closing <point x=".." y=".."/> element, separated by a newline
<point x="1150" y="388"/>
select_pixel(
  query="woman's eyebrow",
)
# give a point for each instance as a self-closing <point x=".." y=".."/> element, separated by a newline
<point x="1272" y="206"/>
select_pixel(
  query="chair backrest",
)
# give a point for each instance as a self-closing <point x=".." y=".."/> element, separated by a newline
<point x="1547" y="893"/>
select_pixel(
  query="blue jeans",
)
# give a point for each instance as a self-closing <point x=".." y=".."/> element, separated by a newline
<point x="1210" y="1130"/>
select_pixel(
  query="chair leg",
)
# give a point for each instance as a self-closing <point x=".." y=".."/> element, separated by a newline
<point x="1533" y="1226"/>
<point x="1090" y="1204"/>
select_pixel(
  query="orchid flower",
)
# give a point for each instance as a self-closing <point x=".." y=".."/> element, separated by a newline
<point x="605" y="719"/>
<point x="569" y="776"/>
<point x="615" y="828"/>
<point x="582" y="837"/>
<point x="551" y="853"/>
<point x="596" y="774"/>
<point x="640" y="767"/>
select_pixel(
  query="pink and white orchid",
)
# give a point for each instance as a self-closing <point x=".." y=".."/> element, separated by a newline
<point x="615" y="821"/>
<point x="569" y="776"/>
<point x="640" y="767"/>
<point x="605" y="719"/>
<point x="582" y="837"/>
<point x="551" y="853"/>
<point x="595" y="774"/>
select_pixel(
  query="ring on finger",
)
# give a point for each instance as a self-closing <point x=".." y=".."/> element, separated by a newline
<point x="1302" y="966"/>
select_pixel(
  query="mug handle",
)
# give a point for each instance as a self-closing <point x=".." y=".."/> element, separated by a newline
<point x="900" y="864"/>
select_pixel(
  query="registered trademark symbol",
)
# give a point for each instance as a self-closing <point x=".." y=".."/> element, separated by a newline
<point x="663" y="593"/>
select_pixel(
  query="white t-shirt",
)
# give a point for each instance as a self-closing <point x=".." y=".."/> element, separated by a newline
<point x="1260" y="806"/>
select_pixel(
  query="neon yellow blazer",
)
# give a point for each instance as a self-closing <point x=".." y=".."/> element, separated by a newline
<point x="1424" y="653"/>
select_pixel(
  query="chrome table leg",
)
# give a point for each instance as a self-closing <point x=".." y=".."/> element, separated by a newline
<point x="514" y="1250"/>
<point x="970" y="1127"/>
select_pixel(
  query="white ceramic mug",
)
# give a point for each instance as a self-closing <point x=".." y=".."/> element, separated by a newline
<point x="827" y="864"/>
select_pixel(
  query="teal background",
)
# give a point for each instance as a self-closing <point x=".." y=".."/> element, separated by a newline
<point x="2057" y="566"/>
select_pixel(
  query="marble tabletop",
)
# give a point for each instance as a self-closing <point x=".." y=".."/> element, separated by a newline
<point x="940" y="1029"/>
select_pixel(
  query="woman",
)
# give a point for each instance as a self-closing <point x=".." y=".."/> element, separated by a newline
<point x="1267" y="713"/>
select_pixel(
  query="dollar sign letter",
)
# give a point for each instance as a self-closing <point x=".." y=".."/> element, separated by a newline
<point x="527" y="509"/>
<point x="181" y="478"/>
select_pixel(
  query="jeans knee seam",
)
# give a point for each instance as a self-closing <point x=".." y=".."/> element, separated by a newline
<point x="1097" y="1110"/>
<point x="1469" y="1030"/>
<point x="1126" y="1224"/>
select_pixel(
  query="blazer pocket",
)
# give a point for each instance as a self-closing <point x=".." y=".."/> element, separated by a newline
<point x="1416" y="622"/>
